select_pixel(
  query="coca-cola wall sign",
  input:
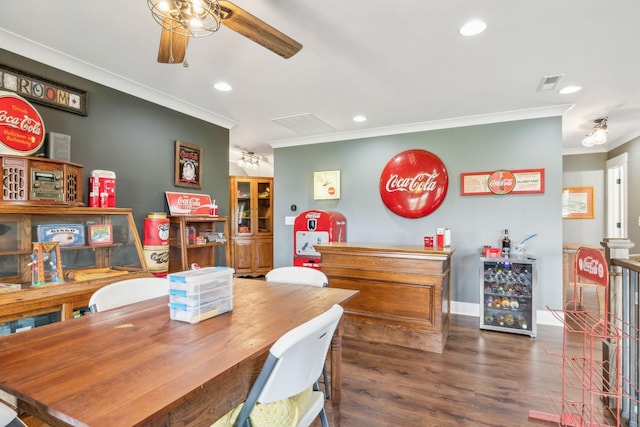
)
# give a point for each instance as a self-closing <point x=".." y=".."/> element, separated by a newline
<point x="502" y="182"/>
<point x="414" y="183"/>
<point x="21" y="127"/>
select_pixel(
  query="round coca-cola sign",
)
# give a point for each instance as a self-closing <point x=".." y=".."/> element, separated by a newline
<point x="21" y="127"/>
<point x="414" y="183"/>
<point x="501" y="182"/>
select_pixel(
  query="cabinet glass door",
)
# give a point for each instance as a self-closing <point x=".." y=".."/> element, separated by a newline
<point x="243" y="211"/>
<point x="264" y="208"/>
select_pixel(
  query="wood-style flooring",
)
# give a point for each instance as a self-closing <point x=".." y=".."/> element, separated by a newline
<point x="483" y="378"/>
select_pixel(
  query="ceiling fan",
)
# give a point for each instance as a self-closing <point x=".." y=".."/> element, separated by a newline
<point x="182" y="19"/>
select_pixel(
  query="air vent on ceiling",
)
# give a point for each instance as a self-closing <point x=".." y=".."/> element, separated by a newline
<point x="549" y="82"/>
<point x="305" y="124"/>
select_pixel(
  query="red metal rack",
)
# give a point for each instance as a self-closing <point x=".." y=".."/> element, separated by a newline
<point x="592" y="382"/>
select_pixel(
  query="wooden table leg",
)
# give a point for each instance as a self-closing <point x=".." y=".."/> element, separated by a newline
<point x="336" y="375"/>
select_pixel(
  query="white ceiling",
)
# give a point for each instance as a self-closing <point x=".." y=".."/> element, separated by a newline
<point x="402" y="64"/>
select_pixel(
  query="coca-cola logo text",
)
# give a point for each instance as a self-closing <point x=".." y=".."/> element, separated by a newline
<point x="414" y="183"/>
<point x="420" y="182"/>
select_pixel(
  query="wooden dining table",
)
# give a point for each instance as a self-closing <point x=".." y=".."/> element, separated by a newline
<point x="134" y="366"/>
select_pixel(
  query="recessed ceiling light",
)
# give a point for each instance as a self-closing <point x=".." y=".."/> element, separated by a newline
<point x="473" y="28"/>
<point x="359" y="118"/>
<point x="222" y="86"/>
<point x="569" y="89"/>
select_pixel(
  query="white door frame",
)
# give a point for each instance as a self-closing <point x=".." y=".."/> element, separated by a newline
<point x="617" y="222"/>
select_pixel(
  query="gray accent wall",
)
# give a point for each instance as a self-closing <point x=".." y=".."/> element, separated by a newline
<point x="134" y="138"/>
<point x="474" y="220"/>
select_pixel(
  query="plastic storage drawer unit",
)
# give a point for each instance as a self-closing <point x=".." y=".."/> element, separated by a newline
<point x="197" y="295"/>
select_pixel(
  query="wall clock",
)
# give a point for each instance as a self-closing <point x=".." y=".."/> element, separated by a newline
<point x="326" y="185"/>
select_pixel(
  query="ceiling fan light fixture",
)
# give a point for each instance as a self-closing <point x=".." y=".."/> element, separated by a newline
<point x="198" y="18"/>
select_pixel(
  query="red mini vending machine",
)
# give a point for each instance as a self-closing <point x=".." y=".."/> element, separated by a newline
<point x="313" y="227"/>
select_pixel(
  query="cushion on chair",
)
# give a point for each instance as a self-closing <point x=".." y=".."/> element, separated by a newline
<point x="281" y="413"/>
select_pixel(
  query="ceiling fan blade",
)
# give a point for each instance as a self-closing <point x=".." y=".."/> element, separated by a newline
<point x="173" y="43"/>
<point x="242" y="22"/>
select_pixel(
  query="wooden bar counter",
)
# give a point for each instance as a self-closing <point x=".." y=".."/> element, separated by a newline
<point x="404" y="292"/>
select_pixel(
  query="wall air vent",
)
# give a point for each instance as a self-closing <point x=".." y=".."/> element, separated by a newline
<point x="304" y="124"/>
<point x="549" y="82"/>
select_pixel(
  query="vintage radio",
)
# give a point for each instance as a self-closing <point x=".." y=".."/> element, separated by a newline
<point x="39" y="181"/>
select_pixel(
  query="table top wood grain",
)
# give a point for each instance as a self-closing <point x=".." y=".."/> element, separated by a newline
<point x="135" y="366"/>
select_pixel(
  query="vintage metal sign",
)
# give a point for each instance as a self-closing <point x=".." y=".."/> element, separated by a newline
<point x="414" y="183"/>
<point x="21" y="127"/>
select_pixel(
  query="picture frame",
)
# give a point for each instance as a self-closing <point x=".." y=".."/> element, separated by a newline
<point x="577" y="203"/>
<point x="528" y="181"/>
<point x="326" y="185"/>
<point x="100" y="234"/>
<point x="188" y="165"/>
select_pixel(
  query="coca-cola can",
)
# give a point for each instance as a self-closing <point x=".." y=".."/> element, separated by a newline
<point x="428" y="241"/>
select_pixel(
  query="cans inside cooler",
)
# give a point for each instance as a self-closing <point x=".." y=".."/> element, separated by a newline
<point x="316" y="227"/>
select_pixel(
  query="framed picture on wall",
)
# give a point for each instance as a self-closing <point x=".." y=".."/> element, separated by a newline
<point x="188" y="165"/>
<point x="577" y="203"/>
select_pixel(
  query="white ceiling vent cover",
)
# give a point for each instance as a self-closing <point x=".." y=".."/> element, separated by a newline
<point x="549" y="82"/>
<point x="304" y="124"/>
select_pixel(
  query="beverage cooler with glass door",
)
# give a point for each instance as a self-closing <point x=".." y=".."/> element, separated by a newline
<point x="507" y="296"/>
<point x="316" y="227"/>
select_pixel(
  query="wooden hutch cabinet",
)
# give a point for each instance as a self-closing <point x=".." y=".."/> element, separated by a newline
<point x="96" y="247"/>
<point x="251" y="225"/>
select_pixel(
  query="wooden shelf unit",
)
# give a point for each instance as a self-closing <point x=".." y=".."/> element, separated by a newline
<point x="182" y="254"/>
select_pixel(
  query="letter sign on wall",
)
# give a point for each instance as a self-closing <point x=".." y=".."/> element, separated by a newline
<point x="414" y="183"/>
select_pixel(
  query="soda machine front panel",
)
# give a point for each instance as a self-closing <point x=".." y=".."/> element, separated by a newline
<point x="305" y="241"/>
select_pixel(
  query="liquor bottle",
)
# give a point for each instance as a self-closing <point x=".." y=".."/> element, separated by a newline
<point x="506" y="244"/>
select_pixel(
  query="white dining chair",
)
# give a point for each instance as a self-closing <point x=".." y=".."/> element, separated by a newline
<point x="127" y="291"/>
<point x="283" y="394"/>
<point x="298" y="275"/>
<point x="9" y="417"/>
<point x="302" y="276"/>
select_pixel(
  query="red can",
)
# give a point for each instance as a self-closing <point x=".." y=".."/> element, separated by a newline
<point x="156" y="230"/>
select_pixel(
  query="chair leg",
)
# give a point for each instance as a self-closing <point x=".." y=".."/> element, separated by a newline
<point x="323" y="418"/>
<point x="325" y="379"/>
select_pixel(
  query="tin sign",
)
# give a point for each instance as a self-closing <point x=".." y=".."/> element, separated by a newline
<point x="414" y="183"/>
<point x="21" y="127"/>
<point x="181" y="204"/>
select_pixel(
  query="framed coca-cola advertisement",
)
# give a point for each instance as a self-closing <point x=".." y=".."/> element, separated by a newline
<point x="414" y="183"/>
<point x="188" y="165"/>
<point x="502" y="181"/>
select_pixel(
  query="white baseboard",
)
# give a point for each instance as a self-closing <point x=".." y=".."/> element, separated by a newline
<point x="543" y="317"/>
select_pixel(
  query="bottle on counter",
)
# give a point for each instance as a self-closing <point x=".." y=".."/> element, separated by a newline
<point x="506" y="244"/>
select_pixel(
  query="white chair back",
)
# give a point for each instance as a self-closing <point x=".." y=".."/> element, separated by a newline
<point x="294" y="364"/>
<point x="128" y="291"/>
<point x="298" y="275"/>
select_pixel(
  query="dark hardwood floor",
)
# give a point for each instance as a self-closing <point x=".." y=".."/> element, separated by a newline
<point x="483" y="378"/>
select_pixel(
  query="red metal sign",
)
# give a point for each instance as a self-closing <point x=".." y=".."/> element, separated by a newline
<point x="501" y="182"/>
<point x="188" y="203"/>
<point x="414" y="183"/>
<point x="591" y="264"/>
<point x="21" y="127"/>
